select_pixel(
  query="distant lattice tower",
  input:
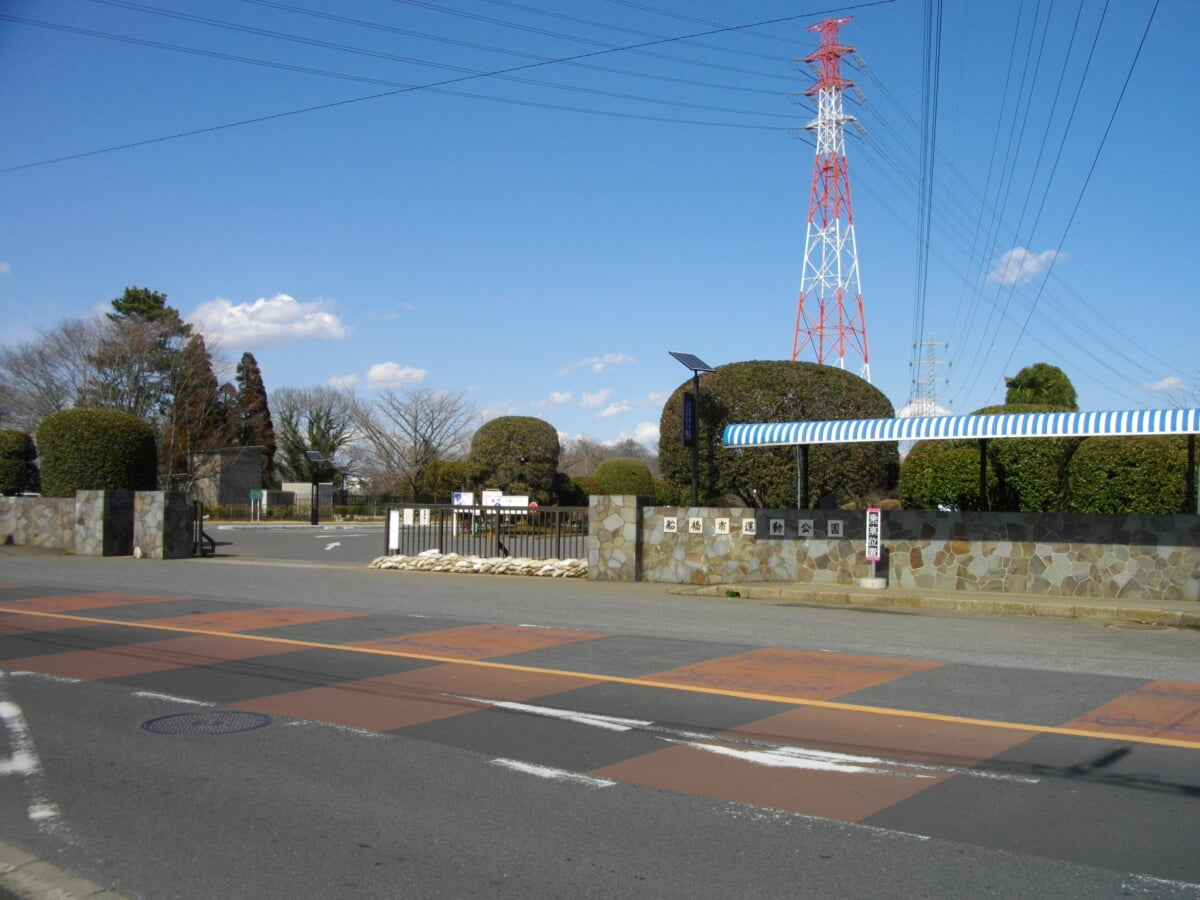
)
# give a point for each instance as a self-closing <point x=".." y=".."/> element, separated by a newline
<point x="829" y="315"/>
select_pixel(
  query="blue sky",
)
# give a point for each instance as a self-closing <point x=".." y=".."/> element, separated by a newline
<point x="540" y="240"/>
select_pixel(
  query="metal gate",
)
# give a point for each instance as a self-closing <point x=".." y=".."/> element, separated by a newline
<point x="553" y="532"/>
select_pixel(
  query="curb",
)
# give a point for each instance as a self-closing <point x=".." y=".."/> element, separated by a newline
<point x="26" y="877"/>
<point x="1038" y="607"/>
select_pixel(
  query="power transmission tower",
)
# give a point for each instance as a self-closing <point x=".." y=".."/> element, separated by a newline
<point x="923" y="397"/>
<point x="829" y="314"/>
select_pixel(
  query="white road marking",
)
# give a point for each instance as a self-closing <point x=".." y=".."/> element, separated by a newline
<point x="23" y="761"/>
<point x="154" y="695"/>
<point x="553" y="774"/>
<point x="608" y="723"/>
<point x="334" y="544"/>
<point x="760" y="753"/>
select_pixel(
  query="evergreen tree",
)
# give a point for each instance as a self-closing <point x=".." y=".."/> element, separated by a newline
<point x="250" y="419"/>
<point x="196" y="422"/>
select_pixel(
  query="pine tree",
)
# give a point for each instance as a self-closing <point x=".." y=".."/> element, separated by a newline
<point x="251" y="424"/>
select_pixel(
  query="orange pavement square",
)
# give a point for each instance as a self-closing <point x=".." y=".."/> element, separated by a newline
<point x="1168" y="709"/>
<point x="18" y="623"/>
<point x="835" y="764"/>
<point x="252" y="619"/>
<point x="152" y="656"/>
<point x="412" y="698"/>
<point x="478" y="641"/>
<point x="803" y="674"/>
<point x="69" y="602"/>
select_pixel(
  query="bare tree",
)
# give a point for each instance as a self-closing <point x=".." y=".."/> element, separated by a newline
<point x="411" y="429"/>
<point x="47" y="374"/>
<point x="320" y="419"/>
<point x="581" y="455"/>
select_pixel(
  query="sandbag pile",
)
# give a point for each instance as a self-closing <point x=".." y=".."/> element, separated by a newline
<point x="435" y="561"/>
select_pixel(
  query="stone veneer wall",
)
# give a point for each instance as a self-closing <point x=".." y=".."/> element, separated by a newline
<point x="1148" y="557"/>
<point x="38" y="522"/>
<point x="162" y="525"/>
<point x="101" y="523"/>
<point x="104" y="523"/>
<point x="614" y="544"/>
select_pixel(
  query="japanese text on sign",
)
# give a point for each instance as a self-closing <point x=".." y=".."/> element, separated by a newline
<point x="874" y="535"/>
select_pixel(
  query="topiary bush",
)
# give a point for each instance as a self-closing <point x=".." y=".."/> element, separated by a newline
<point x="625" y="475"/>
<point x="1129" y="475"/>
<point x="944" y="474"/>
<point x="18" y="474"/>
<point x="96" y="450"/>
<point x="1031" y="472"/>
<point x="776" y="391"/>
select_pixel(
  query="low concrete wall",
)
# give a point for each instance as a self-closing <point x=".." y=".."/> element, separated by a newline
<point x="101" y="523"/>
<point x="1147" y="557"/>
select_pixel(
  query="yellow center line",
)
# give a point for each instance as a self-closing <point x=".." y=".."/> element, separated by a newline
<point x="637" y="682"/>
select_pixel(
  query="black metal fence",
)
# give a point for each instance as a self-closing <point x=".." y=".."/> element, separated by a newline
<point x="552" y="532"/>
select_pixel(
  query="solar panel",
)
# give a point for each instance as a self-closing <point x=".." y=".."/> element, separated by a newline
<point x="693" y="362"/>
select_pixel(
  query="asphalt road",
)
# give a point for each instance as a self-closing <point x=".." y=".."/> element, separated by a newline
<point x="390" y="734"/>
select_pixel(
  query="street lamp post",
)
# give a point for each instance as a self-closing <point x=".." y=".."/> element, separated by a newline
<point x="691" y="414"/>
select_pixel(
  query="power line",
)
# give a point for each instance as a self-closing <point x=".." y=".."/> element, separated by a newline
<point x="591" y="54"/>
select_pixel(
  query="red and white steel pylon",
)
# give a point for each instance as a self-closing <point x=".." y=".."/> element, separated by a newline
<point x="829" y="315"/>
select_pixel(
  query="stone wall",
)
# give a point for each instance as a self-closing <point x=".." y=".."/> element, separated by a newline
<point x="614" y="538"/>
<point x="38" y="522"/>
<point x="101" y="523"/>
<point x="162" y="525"/>
<point x="1148" y="557"/>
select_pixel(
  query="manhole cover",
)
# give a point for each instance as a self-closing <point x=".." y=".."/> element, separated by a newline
<point x="1141" y="626"/>
<point x="211" y="722"/>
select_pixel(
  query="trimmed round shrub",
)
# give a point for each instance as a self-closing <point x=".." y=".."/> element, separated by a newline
<point x="18" y="474"/>
<point x="944" y="474"/>
<point x="1129" y="475"/>
<point x="625" y="475"/>
<point x="515" y="454"/>
<point x="776" y="391"/>
<point x="96" y="450"/>
<point x="1031" y="472"/>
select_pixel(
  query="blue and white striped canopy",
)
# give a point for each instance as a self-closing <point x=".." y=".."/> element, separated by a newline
<point x="946" y="428"/>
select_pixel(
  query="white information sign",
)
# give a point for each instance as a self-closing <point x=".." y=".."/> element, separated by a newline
<point x="777" y="528"/>
<point x="393" y="531"/>
<point x="804" y="528"/>
<point x="424" y="517"/>
<point x="721" y="526"/>
<point x="463" y="498"/>
<point x="833" y="528"/>
<point x="749" y="526"/>
<point x="492" y="498"/>
<point x="874" y="535"/>
<point x="670" y="525"/>
<point x="695" y="525"/>
<point x="408" y="516"/>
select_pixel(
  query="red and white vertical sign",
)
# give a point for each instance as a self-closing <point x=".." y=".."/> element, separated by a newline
<point x="874" y="535"/>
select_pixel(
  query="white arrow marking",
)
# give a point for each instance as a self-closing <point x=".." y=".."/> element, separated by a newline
<point x="334" y="544"/>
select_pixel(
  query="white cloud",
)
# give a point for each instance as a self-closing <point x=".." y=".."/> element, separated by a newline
<point x="614" y="409"/>
<point x="657" y="399"/>
<point x="1170" y="383"/>
<point x="591" y="401"/>
<point x="263" y="323"/>
<point x="1020" y="265"/>
<point x="645" y="433"/>
<point x="392" y="375"/>
<point x="558" y="398"/>
<point x="344" y="382"/>
<point x="5" y="268"/>
<point x="599" y="363"/>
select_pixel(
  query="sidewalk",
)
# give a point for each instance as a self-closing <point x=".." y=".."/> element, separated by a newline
<point x="1133" y="611"/>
